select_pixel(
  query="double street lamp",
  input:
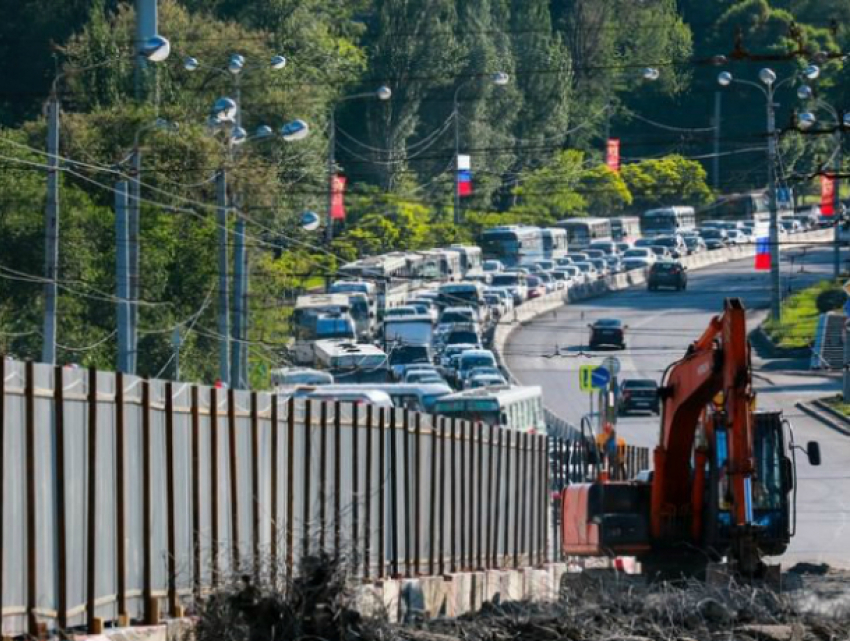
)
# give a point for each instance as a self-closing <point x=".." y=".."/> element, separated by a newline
<point x="233" y="356"/>
<point x="840" y="124"/>
<point x="499" y="79"/>
<point x="768" y="88"/>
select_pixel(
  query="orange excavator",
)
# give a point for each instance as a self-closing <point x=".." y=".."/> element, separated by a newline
<point x="722" y="487"/>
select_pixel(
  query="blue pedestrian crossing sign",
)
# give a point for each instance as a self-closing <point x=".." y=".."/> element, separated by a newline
<point x="593" y="377"/>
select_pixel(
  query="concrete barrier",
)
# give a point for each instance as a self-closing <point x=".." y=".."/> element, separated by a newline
<point x="550" y="303"/>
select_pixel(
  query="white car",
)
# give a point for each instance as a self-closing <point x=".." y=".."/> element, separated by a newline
<point x="643" y="253"/>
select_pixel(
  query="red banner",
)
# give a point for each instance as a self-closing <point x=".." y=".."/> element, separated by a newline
<point x="612" y="158"/>
<point x="827" y="195"/>
<point x="338" y="198"/>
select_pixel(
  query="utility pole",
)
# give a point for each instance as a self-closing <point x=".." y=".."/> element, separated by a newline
<point x="715" y="163"/>
<point x="457" y="156"/>
<point x="146" y="28"/>
<point x="51" y="230"/>
<point x="775" y="285"/>
<point x="223" y="296"/>
<point x="122" y="275"/>
<point x="133" y="210"/>
<point x="238" y="303"/>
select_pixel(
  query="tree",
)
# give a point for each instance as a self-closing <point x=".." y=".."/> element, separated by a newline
<point x="551" y="192"/>
<point x="665" y="181"/>
<point x="604" y="190"/>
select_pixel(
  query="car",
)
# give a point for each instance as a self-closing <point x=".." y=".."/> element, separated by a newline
<point x="542" y="266"/>
<point x="577" y="257"/>
<point x="667" y="273"/>
<point x="695" y="244"/>
<point x="807" y="221"/>
<point x="514" y="283"/>
<point x="790" y="225"/>
<point x="536" y="287"/>
<point x="638" y="394"/>
<point x="404" y="310"/>
<point x="473" y="359"/>
<point x="623" y="246"/>
<point x="451" y="351"/>
<point x="549" y="282"/>
<point x="564" y="261"/>
<point x="572" y="274"/>
<point x="496" y="304"/>
<point x="426" y="306"/>
<point x="485" y="370"/>
<point x="660" y="251"/>
<point x="492" y="266"/>
<point x="606" y="246"/>
<point x="503" y="293"/>
<point x="630" y="264"/>
<point x="608" y="331"/>
<point x="615" y="263"/>
<point x="674" y="244"/>
<point x="485" y="380"/>
<point x="594" y="253"/>
<point x="644" y="242"/>
<point x="588" y="271"/>
<point x="736" y="237"/>
<point x="714" y="238"/>
<point x="601" y="265"/>
<point x="404" y="357"/>
<point x="644" y="253"/>
<point x="417" y="375"/>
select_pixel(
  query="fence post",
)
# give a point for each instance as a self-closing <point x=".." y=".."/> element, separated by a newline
<point x="417" y="500"/>
<point x="32" y="550"/>
<point x="452" y="502"/>
<point x="147" y="544"/>
<point x="382" y="492"/>
<point x="170" y="503"/>
<point x="368" y="493"/>
<point x="61" y="513"/>
<point x="196" y="492"/>
<point x="275" y="495"/>
<point x="355" y="478"/>
<point x="255" y="486"/>
<point x="488" y="554"/>
<point x="479" y="528"/>
<point x="462" y="453"/>
<point x="530" y="523"/>
<point x="337" y="478"/>
<point x="290" y="490"/>
<point x="432" y="513"/>
<point x="405" y="440"/>
<point x="517" y="505"/>
<point x="393" y="471"/>
<point x="214" y="515"/>
<point x="308" y="447"/>
<point x="442" y="519"/>
<point x="498" y="498"/>
<point x="323" y="473"/>
<point x="543" y="470"/>
<point x="234" y="480"/>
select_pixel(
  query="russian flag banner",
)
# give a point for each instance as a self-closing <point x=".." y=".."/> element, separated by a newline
<point x="762" y="253"/>
<point x="464" y="176"/>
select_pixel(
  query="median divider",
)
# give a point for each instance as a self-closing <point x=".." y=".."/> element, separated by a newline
<point x="550" y="303"/>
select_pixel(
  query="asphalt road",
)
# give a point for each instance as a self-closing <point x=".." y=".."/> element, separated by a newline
<point x="660" y="326"/>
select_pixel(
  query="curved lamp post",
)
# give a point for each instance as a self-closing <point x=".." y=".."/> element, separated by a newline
<point x="499" y="79"/>
<point x="156" y="49"/>
<point x="382" y="93"/>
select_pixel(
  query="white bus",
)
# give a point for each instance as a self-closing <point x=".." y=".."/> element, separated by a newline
<point x="625" y="228"/>
<point x="516" y="408"/>
<point x="583" y="231"/>
<point x="470" y="258"/>
<point x="350" y="361"/>
<point x="667" y="220"/>
<point x="319" y="316"/>
<point x="554" y="242"/>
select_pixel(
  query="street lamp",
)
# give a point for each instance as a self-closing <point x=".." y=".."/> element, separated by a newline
<point x="499" y="79"/>
<point x="805" y="121"/>
<point x="155" y="49"/>
<point x="382" y="93"/>
<point x="233" y="356"/>
<point x="768" y="88"/>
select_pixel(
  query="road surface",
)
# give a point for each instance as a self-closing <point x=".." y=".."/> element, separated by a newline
<point x="660" y="326"/>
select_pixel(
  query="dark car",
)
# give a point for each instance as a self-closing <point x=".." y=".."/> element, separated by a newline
<point x="639" y="394"/>
<point x="667" y="273"/>
<point x="695" y="244"/>
<point x="608" y="331"/>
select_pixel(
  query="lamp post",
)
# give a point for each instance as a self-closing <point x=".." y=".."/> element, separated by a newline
<point x="500" y="79"/>
<point x="233" y="345"/>
<point x="841" y="122"/>
<point x="768" y="88"/>
<point x="227" y="113"/>
<point x="381" y="93"/>
<point x="156" y="49"/>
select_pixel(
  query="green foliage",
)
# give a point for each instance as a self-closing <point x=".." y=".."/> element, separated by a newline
<point x="551" y="192"/>
<point x="664" y="181"/>
<point x="799" y="317"/>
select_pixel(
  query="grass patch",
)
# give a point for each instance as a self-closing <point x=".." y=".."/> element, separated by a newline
<point x="837" y="403"/>
<point x="799" y="317"/>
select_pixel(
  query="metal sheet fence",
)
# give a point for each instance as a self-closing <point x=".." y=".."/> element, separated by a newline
<point x="126" y="497"/>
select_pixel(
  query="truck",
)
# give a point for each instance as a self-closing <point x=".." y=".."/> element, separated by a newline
<point x="351" y="362"/>
<point x="724" y="474"/>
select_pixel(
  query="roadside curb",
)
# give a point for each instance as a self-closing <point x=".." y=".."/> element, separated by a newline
<point x="816" y="412"/>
